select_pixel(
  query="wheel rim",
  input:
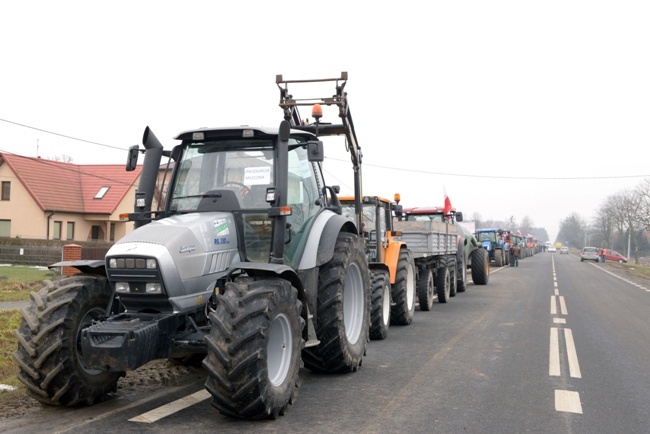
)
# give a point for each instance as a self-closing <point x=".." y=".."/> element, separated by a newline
<point x="411" y="287"/>
<point x="279" y="349"/>
<point x="430" y="286"/>
<point x="386" y="306"/>
<point x="87" y="320"/>
<point x="353" y="303"/>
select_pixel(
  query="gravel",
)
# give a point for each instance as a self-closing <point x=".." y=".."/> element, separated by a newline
<point x="146" y="379"/>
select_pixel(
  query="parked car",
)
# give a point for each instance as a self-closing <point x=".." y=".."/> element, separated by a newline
<point x="590" y="254"/>
<point x="613" y="255"/>
<point x="552" y="249"/>
<point x="564" y="250"/>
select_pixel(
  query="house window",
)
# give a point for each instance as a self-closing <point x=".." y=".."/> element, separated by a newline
<point x="5" y="228"/>
<point x="70" y="231"/>
<point x="112" y="234"/>
<point x="57" y="230"/>
<point x="6" y="190"/>
<point x="102" y="191"/>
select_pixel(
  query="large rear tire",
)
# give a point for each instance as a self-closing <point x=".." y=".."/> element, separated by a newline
<point x="254" y="348"/>
<point x="480" y="267"/>
<point x="380" y="315"/>
<point x="443" y="284"/>
<point x="426" y="289"/>
<point x="403" y="290"/>
<point x="49" y="342"/>
<point x="343" y="309"/>
<point x="498" y="258"/>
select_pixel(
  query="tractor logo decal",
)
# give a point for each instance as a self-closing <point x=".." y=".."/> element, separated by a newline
<point x="222" y="230"/>
<point x="187" y="249"/>
<point x="221" y="227"/>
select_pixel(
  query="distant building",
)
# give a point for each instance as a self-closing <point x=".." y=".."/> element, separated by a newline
<point x="44" y="199"/>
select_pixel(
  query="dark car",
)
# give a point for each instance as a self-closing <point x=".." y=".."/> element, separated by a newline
<point x="613" y="255"/>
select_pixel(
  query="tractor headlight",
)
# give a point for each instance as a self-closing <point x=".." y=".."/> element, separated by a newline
<point x="122" y="287"/>
<point x="153" y="288"/>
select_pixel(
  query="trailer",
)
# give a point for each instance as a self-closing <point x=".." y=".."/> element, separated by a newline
<point x="435" y="241"/>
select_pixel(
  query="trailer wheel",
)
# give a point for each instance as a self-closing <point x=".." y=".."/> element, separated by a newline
<point x="343" y="309"/>
<point x="380" y="315"/>
<point x="426" y="289"/>
<point x="49" y="342"/>
<point x="443" y="284"/>
<point x="403" y="290"/>
<point x="453" y="283"/>
<point x="480" y="267"/>
<point x="254" y="348"/>
<point x="461" y="275"/>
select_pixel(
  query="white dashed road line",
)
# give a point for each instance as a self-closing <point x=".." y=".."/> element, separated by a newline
<point x="565" y="400"/>
<point x="171" y="408"/>
<point x="568" y="401"/>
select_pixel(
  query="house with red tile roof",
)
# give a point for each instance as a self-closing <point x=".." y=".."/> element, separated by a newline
<point x="45" y="199"/>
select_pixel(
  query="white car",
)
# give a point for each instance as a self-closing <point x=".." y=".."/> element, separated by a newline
<point x="564" y="250"/>
<point x="552" y="249"/>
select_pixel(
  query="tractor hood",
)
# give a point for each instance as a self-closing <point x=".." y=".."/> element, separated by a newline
<point x="189" y="250"/>
<point x="187" y="233"/>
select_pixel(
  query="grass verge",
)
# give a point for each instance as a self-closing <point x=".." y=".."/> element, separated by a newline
<point x="17" y="281"/>
<point x="9" y="321"/>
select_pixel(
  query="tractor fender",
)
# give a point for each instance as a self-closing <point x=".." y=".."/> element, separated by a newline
<point x="267" y="269"/>
<point x="95" y="267"/>
<point x="319" y="248"/>
<point x="392" y="258"/>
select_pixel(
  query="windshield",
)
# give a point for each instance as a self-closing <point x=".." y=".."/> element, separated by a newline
<point x="425" y="217"/>
<point x="486" y="236"/>
<point x="233" y="173"/>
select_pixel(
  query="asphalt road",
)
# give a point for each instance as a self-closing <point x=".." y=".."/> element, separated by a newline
<point x="553" y="346"/>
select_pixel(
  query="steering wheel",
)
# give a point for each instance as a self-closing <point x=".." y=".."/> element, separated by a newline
<point x="244" y="189"/>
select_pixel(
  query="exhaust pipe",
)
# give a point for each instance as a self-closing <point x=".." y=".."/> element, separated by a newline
<point x="149" y="175"/>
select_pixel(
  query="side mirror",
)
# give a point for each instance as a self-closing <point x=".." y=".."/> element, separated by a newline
<point x="459" y="216"/>
<point x="315" y="151"/>
<point x="132" y="158"/>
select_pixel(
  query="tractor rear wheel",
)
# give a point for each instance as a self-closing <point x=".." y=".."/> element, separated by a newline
<point x="480" y="267"/>
<point x="403" y="290"/>
<point x="380" y="314"/>
<point x="49" y="342"/>
<point x="254" y="348"/>
<point x="342" y="317"/>
<point x="498" y="258"/>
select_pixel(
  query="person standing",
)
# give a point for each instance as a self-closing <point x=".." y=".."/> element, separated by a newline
<point x="602" y="255"/>
<point x="516" y="251"/>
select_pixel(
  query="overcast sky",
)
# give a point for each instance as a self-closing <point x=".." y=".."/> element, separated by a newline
<point x="514" y="108"/>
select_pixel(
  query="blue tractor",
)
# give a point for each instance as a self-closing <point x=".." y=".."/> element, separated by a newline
<point x="493" y="240"/>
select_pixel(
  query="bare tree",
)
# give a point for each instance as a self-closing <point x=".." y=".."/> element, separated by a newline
<point x="626" y="215"/>
<point x="573" y="230"/>
<point x="526" y="225"/>
<point x="604" y="221"/>
<point x="643" y="191"/>
<point x="63" y="158"/>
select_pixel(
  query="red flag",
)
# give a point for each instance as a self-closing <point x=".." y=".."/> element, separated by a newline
<point x="447" y="207"/>
<point x="519" y="233"/>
